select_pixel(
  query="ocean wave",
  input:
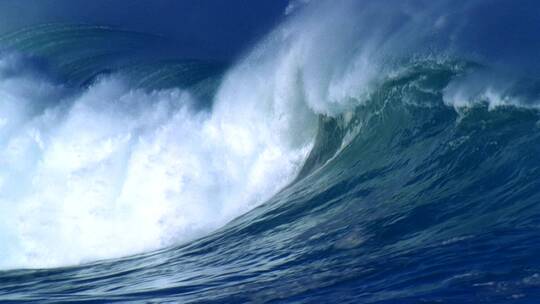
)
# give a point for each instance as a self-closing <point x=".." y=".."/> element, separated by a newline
<point x="362" y="151"/>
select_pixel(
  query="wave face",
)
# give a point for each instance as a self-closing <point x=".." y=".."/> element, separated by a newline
<point x="362" y="152"/>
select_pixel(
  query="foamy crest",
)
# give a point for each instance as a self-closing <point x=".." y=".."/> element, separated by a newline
<point x="494" y="88"/>
<point x="114" y="171"/>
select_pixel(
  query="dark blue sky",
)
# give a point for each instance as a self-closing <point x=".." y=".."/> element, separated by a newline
<point x="209" y="28"/>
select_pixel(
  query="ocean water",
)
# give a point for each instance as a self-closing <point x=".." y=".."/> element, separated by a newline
<point x="362" y="152"/>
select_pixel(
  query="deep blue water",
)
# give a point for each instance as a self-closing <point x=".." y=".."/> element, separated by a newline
<point x="344" y="159"/>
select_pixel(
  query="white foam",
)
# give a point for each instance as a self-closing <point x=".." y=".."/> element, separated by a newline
<point x="494" y="88"/>
<point x="115" y="171"/>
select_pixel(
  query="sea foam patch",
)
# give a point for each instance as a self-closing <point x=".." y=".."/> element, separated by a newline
<point x="112" y="171"/>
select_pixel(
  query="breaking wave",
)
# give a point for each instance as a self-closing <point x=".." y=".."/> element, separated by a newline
<point x="364" y="147"/>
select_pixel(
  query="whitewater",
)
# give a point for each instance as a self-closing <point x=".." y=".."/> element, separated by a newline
<point x="362" y="152"/>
